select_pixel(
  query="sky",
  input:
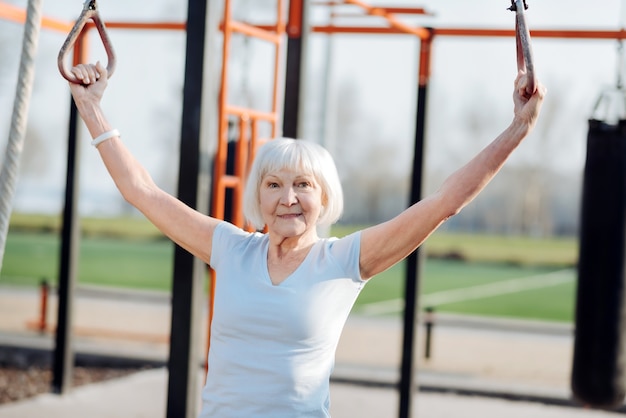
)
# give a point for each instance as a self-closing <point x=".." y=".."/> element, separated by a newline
<point x="470" y="77"/>
<point x="478" y="72"/>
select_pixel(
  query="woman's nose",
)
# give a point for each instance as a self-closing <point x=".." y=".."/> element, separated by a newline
<point x="289" y="196"/>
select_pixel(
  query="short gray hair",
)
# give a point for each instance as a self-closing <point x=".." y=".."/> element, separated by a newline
<point x="298" y="154"/>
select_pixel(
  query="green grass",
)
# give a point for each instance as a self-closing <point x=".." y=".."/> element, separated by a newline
<point x="554" y="303"/>
<point x="496" y="248"/>
<point x="129" y="252"/>
<point x="551" y="303"/>
<point x="120" y="227"/>
<point x="138" y="263"/>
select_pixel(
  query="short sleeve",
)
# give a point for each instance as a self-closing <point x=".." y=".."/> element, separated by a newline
<point x="347" y="251"/>
<point x="225" y="237"/>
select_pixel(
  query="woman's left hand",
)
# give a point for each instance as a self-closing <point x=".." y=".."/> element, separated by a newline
<point x="527" y="108"/>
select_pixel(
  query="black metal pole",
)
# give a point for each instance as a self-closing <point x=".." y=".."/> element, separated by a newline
<point x="63" y="363"/>
<point x="189" y="272"/>
<point x="293" y="76"/>
<point x="429" y="323"/>
<point x="414" y="261"/>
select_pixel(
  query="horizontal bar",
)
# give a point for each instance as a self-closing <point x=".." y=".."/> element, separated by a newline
<point x="255" y="31"/>
<point x="536" y="33"/>
<point x="18" y="15"/>
<point x="359" y="30"/>
<point x="350" y="15"/>
<point x="580" y="34"/>
<point x="374" y="11"/>
<point x="405" y="10"/>
<point x="229" y="181"/>
<point x="398" y="10"/>
<point x="243" y="112"/>
<point x="469" y="32"/>
<point x="147" y="25"/>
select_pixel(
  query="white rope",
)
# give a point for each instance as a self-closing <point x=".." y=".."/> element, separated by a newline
<point x="10" y="168"/>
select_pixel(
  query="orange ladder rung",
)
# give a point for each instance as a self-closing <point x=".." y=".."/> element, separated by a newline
<point x="246" y="113"/>
<point x="254" y="31"/>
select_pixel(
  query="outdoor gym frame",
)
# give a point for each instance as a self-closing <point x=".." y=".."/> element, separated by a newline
<point x="189" y="274"/>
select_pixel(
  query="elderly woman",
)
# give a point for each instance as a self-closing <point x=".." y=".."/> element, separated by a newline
<point x="282" y="297"/>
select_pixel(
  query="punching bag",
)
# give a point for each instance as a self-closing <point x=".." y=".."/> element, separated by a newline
<point x="598" y="371"/>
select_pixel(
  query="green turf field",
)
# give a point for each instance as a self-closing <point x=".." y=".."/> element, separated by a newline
<point x="496" y="276"/>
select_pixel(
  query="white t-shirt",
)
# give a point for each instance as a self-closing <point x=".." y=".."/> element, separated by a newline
<point x="273" y="346"/>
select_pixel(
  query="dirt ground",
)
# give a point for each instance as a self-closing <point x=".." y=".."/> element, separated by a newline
<point x="17" y="384"/>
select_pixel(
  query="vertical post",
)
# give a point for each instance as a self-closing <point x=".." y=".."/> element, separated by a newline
<point x="429" y="322"/>
<point x="189" y="272"/>
<point x="43" y="309"/>
<point x="70" y="241"/>
<point x="293" y="74"/>
<point x="414" y="261"/>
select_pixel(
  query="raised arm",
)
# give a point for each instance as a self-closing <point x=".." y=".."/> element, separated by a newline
<point x="385" y="244"/>
<point x="185" y="226"/>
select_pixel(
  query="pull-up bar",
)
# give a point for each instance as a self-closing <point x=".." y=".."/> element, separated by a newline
<point x="476" y="32"/>
<point x="18" y="15"/>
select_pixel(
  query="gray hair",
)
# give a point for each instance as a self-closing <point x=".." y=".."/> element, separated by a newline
<point x="299" y="154"/>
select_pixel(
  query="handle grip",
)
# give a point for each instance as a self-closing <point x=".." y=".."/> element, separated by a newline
<point x="523" y="45"/>
<point x="90" y="12"/>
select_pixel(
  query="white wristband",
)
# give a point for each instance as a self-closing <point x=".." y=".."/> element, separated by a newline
<point x="103" y="137"/>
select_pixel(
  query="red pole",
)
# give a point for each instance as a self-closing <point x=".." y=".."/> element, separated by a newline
<point x="43" y="314"/>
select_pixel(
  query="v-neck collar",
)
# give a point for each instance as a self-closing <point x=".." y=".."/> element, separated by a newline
<point x="266" y="270"/>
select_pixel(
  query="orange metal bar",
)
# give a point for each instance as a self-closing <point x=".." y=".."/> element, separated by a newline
<point x="405" y="10"/>
<point x="229" y="180"/>
<point x="143" y="26"/>
<point x="476" y="32"/>
<point x="424" y="62"/>
<point x="294" y="25"/>
<point x="535" y="33"/>
<point x="580" y="34"/>
<point x="43" y="311"/>
<point x="362" y="30"/>
<point x="251" y="113"/>
<point x="398" y="10"/>
<point x="393" y="21"/>
<point x="18" y="15"/>
<point x="254" y="31"/>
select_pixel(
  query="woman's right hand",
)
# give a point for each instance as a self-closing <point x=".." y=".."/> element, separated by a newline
<point x="93" y="79"/>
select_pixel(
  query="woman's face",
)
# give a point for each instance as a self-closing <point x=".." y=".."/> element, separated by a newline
<point x="291" y="202"/>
